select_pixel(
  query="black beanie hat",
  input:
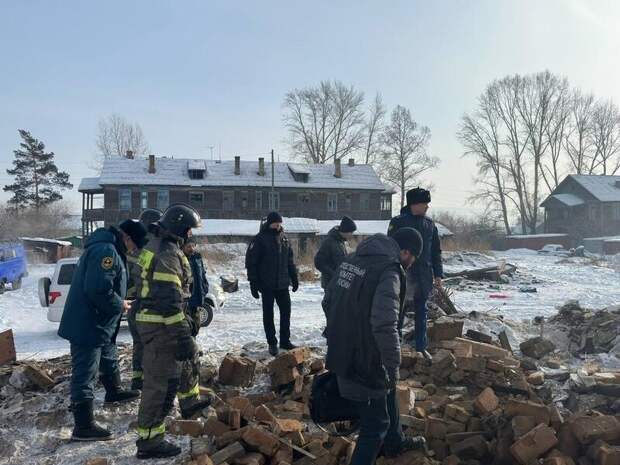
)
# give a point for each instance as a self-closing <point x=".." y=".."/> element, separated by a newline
<point x="273" y="217"/>
<point x="418" y="195"/>
<point x="347" y="225"/>
<point x="136" y="231"/>
<point x="409" y="239"/>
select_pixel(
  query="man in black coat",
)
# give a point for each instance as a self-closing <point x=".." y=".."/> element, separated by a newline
<point x="363" y="304"/>
<point x="428" y="270"/>
<point x="199" y="287"/>
<point x="271" y="270"/>
<point x="333" y="249"/>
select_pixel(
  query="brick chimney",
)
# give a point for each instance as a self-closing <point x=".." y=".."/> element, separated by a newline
<point x="338" y="169"/>
<point x="129" y="154"/>
<point x="151" y="164"/>
<point x="261" y="166"/>
<point x="351" y="161"/>
<point x="237" y="165"/>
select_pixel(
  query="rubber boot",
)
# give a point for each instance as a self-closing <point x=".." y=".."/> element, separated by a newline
<point x="86" y="429"/>
<point x="161" y="450"/>
<point x="114" y="392"/>
<point x="188" y="411"/>
<point x="273" y="349"/>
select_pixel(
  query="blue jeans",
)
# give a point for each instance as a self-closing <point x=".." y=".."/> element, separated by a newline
<point x="419" y="307"/>
<point x="86" y="363"/>
<point x="379" y="424"/>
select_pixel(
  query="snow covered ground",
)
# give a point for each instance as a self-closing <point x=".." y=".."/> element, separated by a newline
<point x="240" y="321"/>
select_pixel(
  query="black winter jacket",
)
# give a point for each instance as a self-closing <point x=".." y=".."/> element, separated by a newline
<point x="269" y="260"/>
<point x="199" y="287"/>
<point x="429" y="265"/>
<point x="332" y="252"/>
<point x="363" y="303"/>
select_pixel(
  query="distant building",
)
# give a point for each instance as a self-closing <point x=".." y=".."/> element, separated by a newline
<point x="584" y="206"/>
<point x="234" y="189"/>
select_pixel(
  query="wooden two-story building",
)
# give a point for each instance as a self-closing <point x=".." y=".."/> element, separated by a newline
<point x="233" y="189"/>
<point x="584" y="206"/>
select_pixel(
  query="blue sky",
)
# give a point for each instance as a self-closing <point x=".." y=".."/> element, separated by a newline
<point x="196" y="74"/>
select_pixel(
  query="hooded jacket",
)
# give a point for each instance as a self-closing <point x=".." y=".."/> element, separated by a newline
<point x="95" y="302"/>
<point x="362" y="304"/>
<point x="332" y="252"/>
<point x="428" y="265"/>
<point x="269" y="260"/>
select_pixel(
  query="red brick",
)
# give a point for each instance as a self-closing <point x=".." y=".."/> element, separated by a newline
<point x="237" y="371"/>
<point x="589" y="429"/>
<point x="534" y="444"/>
<point x="405" y="398"/>
<point x="486" y="402"/>
<point x="528" y="409"/>
<point x="261" y="440"/>
<point x="193" y="428"/>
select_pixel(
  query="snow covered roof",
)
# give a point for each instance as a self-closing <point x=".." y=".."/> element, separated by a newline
<point x="174" y="171"/>
<point x="196" y="165"/>
<point x="295" y="225"/>
<point x="536" y="236"/>
<point x="602" y="187"/>
<point x="89" y="184"/>
<point x="47" y="241"/>
<point x="570" y="200"/>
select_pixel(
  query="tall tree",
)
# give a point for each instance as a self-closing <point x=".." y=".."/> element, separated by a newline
<point x="578" y="138"/>
<point x="37" y="179"/>
<point x="324" y="122"/>
<point x="116" y="136"/>
<point x="374" y="128"/>
<point x="405" y="157"/>
<point x="606" y="137"/>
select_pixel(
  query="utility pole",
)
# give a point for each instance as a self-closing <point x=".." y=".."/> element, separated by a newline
<point x="273" y="188"/>
<point x="211" y="147"/>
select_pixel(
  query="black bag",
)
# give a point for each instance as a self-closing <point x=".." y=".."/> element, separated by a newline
<point x="326" y="404"/>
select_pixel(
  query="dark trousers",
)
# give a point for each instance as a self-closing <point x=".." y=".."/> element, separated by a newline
<point x="86" y="364"/>
<point x="283" y="299"/>
<point x="379" y="424"/>
<point x="419" y="307"/>
<point x="138" y="348"/>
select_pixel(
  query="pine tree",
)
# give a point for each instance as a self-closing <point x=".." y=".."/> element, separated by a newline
<point x="37" y="179"/>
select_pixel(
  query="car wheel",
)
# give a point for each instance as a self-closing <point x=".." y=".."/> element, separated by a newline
<point x="206" y="316"/>
<point x="17" y="284"/>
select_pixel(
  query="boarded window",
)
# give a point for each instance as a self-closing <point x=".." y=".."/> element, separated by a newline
<point x="348" y="202"/>
<point x="303" y="200"/>
<point x="196" y="199"/>
<point x="228" y="201"/>
<point x="364" y="201"/>
<point x="332" y="202"/>
<point x="386" y="203"/>
<point x="258" y="201"/>
<point x="244" y="200"/>
<point x="124" y="199"/>
<point x="163" y="199"/>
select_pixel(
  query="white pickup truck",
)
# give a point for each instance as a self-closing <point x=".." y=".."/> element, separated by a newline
<point x="53" y="292"/>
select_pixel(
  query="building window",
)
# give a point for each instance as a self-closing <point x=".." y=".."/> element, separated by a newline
<point x="196" y="199"/>
<point x="364" y="202"/>
<point x="348" y="202"/>
<point x="258" y="200"/>
<point x="196" y="174"/>
<point x="303" y="200"/>
<point x="244" y="200"/>
<point x="144" y="200"/>
<point x="332" y="202"/>
<point x="274" y="201"/>
<point x="386" y="204"/>
<point x="124" y="199"/>
<point x="163" y="199"/>
<point x="228" y="201"/>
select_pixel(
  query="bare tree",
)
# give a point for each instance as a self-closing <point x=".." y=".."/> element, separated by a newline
<point x="374" y="127"/>
<point x="405" y="157"/>
<point x="480" y="136"/>
<point x="552" y="169"/>
<point x="578" y="138"/>
<point x="117" y="136"/>
<point x="606" y="137"/>
<point x="325" y="122"/>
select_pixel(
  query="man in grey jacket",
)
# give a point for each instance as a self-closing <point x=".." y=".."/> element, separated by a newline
<point x="333" y="249"/>
<point x="369" y="289"/>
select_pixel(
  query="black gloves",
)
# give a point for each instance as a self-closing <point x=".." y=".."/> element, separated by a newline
<point x="186" y="348"/>
<point x="393" y="378"/>
<point x="295" y="282"/>
<point x="254" y="290"/>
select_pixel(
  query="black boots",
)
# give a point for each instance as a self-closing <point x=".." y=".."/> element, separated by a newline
<point x="160" y="450"/>
<point x="114" y="392"/>
<point x="85" y="427"/>
<point x="287" y="345"/>
<point x="188" y="412"/>
<point x="409" y="443"/>
<point x="273" y="349"/>
<point x="136" y="384"/>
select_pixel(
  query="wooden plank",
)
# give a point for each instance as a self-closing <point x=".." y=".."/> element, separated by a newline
<point x="7" y="347"/>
